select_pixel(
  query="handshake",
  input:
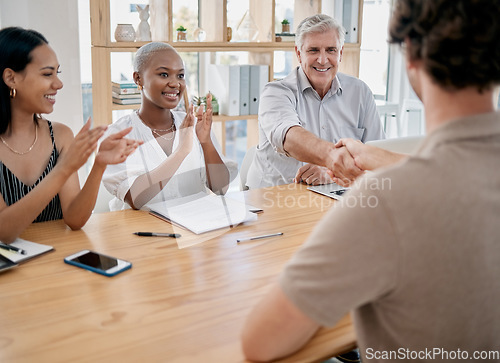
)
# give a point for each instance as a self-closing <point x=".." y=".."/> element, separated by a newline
<point x="346" y="161"/>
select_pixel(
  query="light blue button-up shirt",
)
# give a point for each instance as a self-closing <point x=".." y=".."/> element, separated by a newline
<point x="347" y="110"/>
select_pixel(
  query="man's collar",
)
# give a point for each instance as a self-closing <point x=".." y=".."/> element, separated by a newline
<point x="470" y="127"/>
<point x="336" y="86"/>
<point x="304" y="82"/>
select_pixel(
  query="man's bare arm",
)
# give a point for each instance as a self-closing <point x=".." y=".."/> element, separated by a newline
<point x="275" y="328"/>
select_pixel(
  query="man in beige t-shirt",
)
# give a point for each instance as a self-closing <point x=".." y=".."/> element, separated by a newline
<point x="425" y="232"/>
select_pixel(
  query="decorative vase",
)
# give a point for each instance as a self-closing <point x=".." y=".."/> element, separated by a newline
<point x="285" y="28"/>
<point x="200" y="35"/>
<point x="247" y="30"/>
<point x="181" y="35"/>
<point x="124" y="33"/>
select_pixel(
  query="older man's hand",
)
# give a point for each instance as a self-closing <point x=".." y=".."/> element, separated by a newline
<point x="314" y="175"/>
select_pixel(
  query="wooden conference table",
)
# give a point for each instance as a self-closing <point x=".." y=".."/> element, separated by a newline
<point x="174" y="305"/>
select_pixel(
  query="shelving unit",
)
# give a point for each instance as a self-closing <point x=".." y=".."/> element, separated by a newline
<point x="161" y="22"/>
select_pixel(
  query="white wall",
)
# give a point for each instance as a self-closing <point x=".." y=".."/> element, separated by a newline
<point x="57" y="20"/>
<point x="85" y="41"/>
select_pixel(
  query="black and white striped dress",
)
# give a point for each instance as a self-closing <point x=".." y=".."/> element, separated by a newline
<point x="12" y="189"/>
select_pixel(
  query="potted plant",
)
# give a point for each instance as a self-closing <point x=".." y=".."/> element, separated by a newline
<point x="202" y="100"/>
<point x="285" y="26"/>
<point x="215" y="104"/>
<point x="181" y="34"/>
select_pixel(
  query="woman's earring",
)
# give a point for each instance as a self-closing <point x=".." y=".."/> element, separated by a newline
<point x="13" y="93"/>
<point x="139" y="87"/>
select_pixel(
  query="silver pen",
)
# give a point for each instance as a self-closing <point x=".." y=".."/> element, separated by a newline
<point x="259" y="237"/>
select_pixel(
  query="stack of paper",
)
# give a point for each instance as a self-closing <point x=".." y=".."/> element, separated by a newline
<point x="202" y="213"/>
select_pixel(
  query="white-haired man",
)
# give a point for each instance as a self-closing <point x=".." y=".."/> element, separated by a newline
<point x="302" y="116"/>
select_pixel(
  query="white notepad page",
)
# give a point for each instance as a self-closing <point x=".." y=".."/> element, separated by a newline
<point x="203" y="213"/>
<point x="32" y="249"/>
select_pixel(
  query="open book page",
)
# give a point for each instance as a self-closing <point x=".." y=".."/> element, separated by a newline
<point x="32" y="249"/>
<point x="204" y="212"/>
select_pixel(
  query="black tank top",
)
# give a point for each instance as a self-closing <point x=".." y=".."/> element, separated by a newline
<point x="12" y="189"/>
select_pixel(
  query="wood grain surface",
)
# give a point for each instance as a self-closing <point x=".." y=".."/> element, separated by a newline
<point x="174" y="305"/>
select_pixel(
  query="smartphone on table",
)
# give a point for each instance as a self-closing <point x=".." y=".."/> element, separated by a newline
<point x="5" y="263"/>
<point x="97" y="262"/>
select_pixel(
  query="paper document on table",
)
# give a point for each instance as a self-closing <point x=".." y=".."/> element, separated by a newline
<point x="32" y="249"/>
<point x="240" y="197"/>
<point x="204" y="213"/>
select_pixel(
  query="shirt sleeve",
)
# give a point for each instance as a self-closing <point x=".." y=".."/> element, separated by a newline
<point x="349" y="260"/>
<point x="370" y="119"/>
<point x="277" y="113"/>
<point x="231" y="165"/>
<point x="118" y="178"/>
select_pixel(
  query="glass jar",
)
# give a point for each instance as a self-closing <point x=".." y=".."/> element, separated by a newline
<point x="181" y="35"/>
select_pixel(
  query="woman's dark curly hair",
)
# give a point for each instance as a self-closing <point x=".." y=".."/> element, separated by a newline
<point x="457" y="40"/>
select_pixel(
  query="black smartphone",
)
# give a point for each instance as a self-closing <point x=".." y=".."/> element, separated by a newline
<point x="5" y="263"/>
<point x="97" y="262"/>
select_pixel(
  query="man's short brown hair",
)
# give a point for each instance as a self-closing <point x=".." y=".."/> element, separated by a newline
<point x="457" y="40"/>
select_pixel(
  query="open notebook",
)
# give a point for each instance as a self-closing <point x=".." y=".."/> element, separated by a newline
<point x="32" y="250"/>
<point x="204" y="212"/>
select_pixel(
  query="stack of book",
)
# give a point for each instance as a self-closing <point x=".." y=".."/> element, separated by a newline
<point x="125" y="93"/>
<point x="285" y="37"/>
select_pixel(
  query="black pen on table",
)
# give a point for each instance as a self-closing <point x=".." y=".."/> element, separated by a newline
<point x="153" y="234"/>
<point x="259" y="237"/>
<point x="12" y="248"/>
